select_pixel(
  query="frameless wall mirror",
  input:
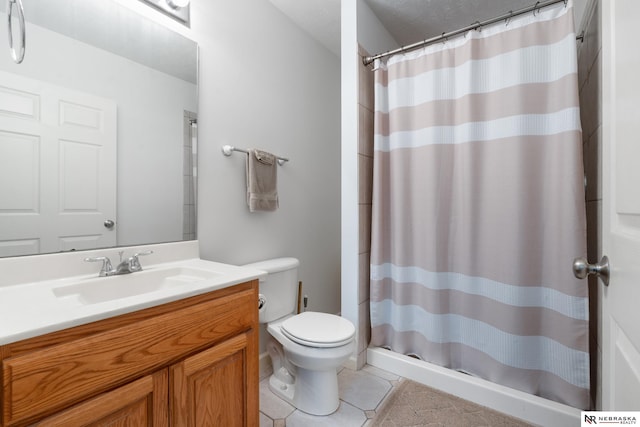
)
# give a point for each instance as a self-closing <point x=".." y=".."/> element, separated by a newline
<point x="98" y="131"/>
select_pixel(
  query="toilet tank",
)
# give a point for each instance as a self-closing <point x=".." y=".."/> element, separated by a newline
<point x="279" y="288"/>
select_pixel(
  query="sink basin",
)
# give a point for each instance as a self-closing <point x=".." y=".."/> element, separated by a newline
<point x="101" y="289"/>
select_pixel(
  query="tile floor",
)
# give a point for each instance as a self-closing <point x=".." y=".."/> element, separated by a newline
<point x="362" y="394"/>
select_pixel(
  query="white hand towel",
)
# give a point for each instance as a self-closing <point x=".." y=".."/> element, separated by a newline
<point x="262" y="181"/>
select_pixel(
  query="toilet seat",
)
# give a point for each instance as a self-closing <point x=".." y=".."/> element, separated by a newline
<point x="313" y="329"/>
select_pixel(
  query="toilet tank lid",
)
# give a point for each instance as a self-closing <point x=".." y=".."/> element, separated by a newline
<point x="274" y="265"/>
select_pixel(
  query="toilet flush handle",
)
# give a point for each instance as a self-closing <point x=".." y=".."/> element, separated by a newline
<point x="261" y="301"/>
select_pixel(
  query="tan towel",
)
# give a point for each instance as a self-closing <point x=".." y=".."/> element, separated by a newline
<point x="262" y="181"/>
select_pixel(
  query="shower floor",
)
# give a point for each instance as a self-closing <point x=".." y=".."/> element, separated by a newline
<point x="372" y="397"/>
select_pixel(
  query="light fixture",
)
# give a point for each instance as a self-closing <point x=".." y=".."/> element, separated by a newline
<point x="177" y="4"/>
<point x="177" y="9"/>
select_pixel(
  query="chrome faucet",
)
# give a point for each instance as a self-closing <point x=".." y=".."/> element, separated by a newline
<point x="129" y="265"/>
<point x="107" y="268"/>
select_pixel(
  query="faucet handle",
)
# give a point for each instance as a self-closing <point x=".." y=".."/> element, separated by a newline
<point x="106" y="264"/>
<point x="135" y="262"/>
<point x="142" y="253"/>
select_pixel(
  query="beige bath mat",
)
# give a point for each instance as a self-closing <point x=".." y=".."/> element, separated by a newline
<point x="413" y="404"/>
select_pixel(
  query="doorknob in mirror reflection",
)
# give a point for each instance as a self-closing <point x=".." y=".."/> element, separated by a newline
<point x="582" y="268"/>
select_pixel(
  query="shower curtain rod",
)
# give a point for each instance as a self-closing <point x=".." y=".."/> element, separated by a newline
<point x="539" y="5"/>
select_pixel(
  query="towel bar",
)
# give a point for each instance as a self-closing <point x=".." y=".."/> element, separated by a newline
<point x="227" y="150"/>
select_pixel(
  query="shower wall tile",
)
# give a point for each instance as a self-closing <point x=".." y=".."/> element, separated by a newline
<point x="365" y="185"/>
<point x="186" y="222"/>
<point x="591" y="95"/>
<point x="593" y="332"/>
<point x="186" y="193"/>
<point x="365" y="179"/>
<point x="593" y="165"/>
<point x="590" y="83"/>
<point x="365" y="131"/>
<point x="189" y="164"/>
<point x="186" y="160"/>
<point x="594" y="251"/>
<point x="364" y="269"/>
<point x="600" y="292"/>
<point x="365" y="81"/>
<point x="364" y="327"/>
<point x="365" y="228"/>
<point x="583" y="65"/>
<point x="599" y="378"/>
<point x="593" y="34"/>
<point x="594" y="232"/>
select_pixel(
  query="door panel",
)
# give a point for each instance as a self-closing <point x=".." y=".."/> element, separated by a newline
<point x="57" y="168"/>
<point x="621" y="205"/>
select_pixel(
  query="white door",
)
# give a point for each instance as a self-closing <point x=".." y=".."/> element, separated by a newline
<point x="621" y="205"/>
<point x="57" y="168"/>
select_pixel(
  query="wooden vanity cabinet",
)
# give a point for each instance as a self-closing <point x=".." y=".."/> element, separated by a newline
<point x="192" y="362"/>
<point x="142" y="402"/>
<point x="208" y="387"/>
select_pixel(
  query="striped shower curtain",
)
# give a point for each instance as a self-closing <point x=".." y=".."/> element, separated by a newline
<point x="478" y="207"/>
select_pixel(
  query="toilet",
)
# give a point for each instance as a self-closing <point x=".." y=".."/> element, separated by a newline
<point x="306" y="349"/>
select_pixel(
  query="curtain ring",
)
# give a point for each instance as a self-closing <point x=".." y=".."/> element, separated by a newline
<point x="565" y="3"/>
<point x="535" y="8"/>
<point x="508" y="20"/>
<point x="478" y="27"/>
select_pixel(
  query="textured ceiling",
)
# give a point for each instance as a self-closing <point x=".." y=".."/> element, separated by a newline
<point x="408" y="21"/>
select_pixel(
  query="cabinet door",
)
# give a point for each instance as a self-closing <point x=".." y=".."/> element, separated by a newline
<point x="140" y="403"/>
<point x="48" y="380"/>
<point x="218" y="386"/>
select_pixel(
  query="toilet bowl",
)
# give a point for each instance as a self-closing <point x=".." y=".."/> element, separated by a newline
<point x="310" y="382"/>
<point x="306" y="349"/>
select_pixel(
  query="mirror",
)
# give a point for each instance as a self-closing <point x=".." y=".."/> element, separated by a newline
<point x="98" y="131"/>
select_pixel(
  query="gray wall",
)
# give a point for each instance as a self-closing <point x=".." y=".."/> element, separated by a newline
<point x="265" y="83"/>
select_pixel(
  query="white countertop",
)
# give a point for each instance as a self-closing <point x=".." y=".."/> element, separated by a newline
<point x="31" y="309"/>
